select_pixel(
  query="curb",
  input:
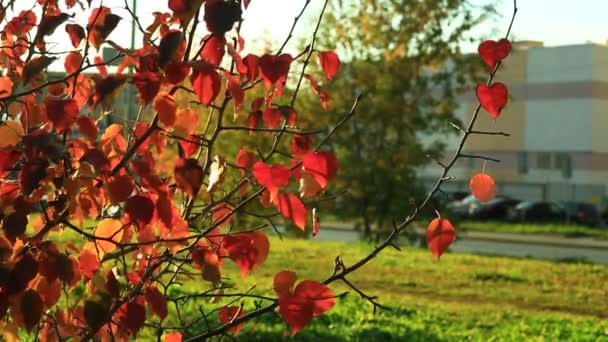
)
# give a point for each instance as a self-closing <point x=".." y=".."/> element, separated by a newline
<point x="531" y="239"/>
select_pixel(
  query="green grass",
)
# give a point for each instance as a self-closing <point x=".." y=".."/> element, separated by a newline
<point x="529" y="228"/>
<point x="462" y="297"/>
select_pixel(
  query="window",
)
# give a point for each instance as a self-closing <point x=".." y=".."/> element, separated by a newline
<point x="522" y="162"/>
<point x="543" y="160"/>
<point x="563" y="162"/>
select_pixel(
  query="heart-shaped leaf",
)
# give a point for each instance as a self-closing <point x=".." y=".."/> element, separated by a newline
<point x="322" y="165"/>
<point x="493" y="98"/>
<point x="493" y="52"/>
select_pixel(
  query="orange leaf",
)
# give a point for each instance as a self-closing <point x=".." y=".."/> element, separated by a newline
<point x="110" y="229"/>
<point x="186" y="123"/>
<point x="6" y="86"/>
<point x="483" y="187"/>
<point x="173" y="337"/>
<point x="167" y="110"/>
<point x="10" y="133"/>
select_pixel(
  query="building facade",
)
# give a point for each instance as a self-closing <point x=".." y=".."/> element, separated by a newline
<point x="557" y="118"/>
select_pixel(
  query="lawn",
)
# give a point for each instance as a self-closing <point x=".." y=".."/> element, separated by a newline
<point x="530" y="228"/>
<point x="461" y="297"/>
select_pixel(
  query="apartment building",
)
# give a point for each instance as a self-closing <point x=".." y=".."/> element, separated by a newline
<point x="557" y="116"/>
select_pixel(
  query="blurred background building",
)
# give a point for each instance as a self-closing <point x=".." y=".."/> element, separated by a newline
<point x="557" y="116"/>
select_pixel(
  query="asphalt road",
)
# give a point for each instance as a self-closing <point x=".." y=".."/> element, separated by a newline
<point x="490" y="247"/>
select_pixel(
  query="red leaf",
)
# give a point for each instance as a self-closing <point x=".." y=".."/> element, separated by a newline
<point x="147" y="84"/>
<point x="308" y="299"/>
<point x="88" y="263"/>
<point x="300" y="144"/>
<point x="272" y="177"/>
<point x="184" y="10"/>
<point x="214" y="50"/>
<point x="112" y="286"/>
<point x="228" y="313"/>
<point x="323" y="96"/>
<point x="167" y="110"/>
<point x="31" y="174"/>
<point x="247" y="250"/>
<point x="222" y="211"/>
<point x="439" y="236"/>
<point x="284" y="282"/>
<point x="177" y="72"/>
<point x="291" y="207"/>
<point x="253" y="119"/>
<point x="87" y="127"/>
<point x="493" y="52"/>
<point x="296" y="311"/>
<point x="157" y="302"/>
<point x="322" y="165"/>
<point x="100" y="64"/>
<point x="61" y="112"/>
<point x="101" y="23"/>
<point x="244" y="159"/>
<point x="221" y="15"/>
<point x="31" y="309"/>
<point x="483" y="187"/>
<point x="274" y="68"/>
<point x="188" y="175"/>
<point x="330" y="62"/>
<point x="120" y="188"/>
<point x="272" y="117"/>
<point x="189" y="146"/>
<point x="76" y="33"/>
<point x="318" y="294"/>
<point x="140" y="210"/>
<point x="132" y="316"/>
<point x="251" y="67"/>
<point x="234" y="86"/>
<point x="493" y="98"/>
<point x="206" y="82"/>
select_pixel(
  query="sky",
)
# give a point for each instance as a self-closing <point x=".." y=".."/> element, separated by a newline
<point x="555" y="22"/>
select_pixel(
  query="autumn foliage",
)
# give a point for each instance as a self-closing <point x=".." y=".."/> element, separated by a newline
<point x="147" y="197"/>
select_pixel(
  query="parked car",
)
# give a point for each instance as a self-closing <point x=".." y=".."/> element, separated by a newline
<point x="582" y="213"/>
<point x="496" y="209"/>
<point x="537" y="212"/>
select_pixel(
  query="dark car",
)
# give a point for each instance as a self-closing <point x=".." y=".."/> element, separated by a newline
<point x="537" y="212"/>
<point x="463" y="207"/>
<point x="496" y="209"/>
<point x="582" y="213"/>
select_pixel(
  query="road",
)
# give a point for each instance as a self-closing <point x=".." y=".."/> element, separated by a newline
<point x="530" y="249"/>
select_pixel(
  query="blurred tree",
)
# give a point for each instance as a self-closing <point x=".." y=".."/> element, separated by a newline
<point x="405" y="57"/>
